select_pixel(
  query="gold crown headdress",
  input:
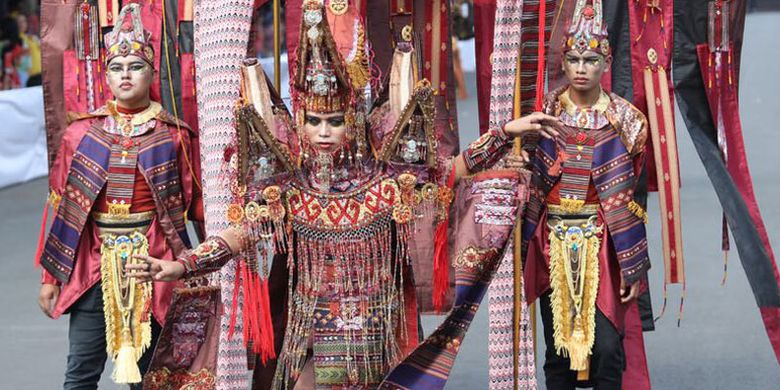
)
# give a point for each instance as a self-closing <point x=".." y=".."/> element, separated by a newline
<point x="587" y="31"/>
<point x="129" y="36"/>
<point x="321" y="77"/>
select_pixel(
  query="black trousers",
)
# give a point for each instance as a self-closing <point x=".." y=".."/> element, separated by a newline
<point x="87" y="336"/>
<point x="606" y="363"/>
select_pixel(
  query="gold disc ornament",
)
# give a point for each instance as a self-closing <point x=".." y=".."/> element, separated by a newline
<point x="339" y="7"/>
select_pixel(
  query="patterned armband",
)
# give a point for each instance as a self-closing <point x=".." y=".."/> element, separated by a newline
<point x="486" y="150"/>
<point x="209" y="256"/>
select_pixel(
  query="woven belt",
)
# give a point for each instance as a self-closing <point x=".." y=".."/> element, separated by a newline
<point x="122" y="225"/>
<point x="584" y="212"/>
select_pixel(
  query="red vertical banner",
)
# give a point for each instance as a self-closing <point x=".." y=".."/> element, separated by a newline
<point x="651" y="26"/>
<point x="484" y="23"/>
<point x="436" y="67"/>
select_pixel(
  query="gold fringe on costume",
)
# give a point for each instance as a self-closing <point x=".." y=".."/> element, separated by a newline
<point x="635" y="208"/>
<point x="358" y="69"/>
<point x="125" y="305"/>
<point x="572" y="206"/>
<point x="574" y="308"/>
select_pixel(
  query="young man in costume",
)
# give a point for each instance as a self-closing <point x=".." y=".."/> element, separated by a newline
<point x="122" y="185"/>
<point x="584" y="236"/>
<point x="336" y="190"/>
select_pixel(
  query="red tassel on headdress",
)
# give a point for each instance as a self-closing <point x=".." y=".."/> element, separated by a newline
<point x="42" y="235"/>
<point x="441" y="256"/>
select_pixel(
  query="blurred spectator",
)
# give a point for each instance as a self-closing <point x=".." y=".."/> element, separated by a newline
<point x="12" y="51"/>
<point x="32" y="47"/>
<point x="20" y="53"/>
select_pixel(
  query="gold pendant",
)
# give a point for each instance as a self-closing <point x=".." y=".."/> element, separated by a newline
<point x="339" y="7"/>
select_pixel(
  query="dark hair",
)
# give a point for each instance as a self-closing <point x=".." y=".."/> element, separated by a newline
<point x="9" y="31"/>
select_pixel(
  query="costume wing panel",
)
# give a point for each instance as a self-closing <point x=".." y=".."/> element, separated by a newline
<point x="267" y="142"/>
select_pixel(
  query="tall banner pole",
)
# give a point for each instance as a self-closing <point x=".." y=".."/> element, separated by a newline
<point x="277" y="47"/>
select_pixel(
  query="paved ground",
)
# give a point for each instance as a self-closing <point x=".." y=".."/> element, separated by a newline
<point x="720" y="345"/>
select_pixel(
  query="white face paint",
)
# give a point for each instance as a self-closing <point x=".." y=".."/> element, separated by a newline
<point x="584" y="70"/>
<point x="130" y="79"/>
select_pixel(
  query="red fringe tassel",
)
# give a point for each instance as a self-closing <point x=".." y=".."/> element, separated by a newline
<point x="258" y="327"/>
<point x="441" y="256"/>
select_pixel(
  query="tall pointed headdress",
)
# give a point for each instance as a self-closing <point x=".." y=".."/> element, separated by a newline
<point x="587" y="31"/>
<point x="129" y="36"/>
<point x="325" y="82"/>
<point x="321" y="79"/>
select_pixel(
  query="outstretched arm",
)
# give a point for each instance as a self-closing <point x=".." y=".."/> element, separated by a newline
<point x="207" y="257"/>
<point x="490" y="147"/>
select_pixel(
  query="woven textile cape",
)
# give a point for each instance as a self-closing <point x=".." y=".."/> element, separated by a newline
<point x="501" y="352"/>
<point x="502" y="360"/>
<point x="89" y="173"/>
<point x="485" y="211"/>
<point x="221" y="38"/>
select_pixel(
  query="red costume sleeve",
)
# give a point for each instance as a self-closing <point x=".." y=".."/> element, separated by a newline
<point x="46" y="278"/>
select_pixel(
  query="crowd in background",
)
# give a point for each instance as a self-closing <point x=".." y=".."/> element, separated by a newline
<point x="20" y="48"/>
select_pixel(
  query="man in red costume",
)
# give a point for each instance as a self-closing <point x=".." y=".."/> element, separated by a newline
<point x="123" y="183"/>
<point x="584" y="237"/>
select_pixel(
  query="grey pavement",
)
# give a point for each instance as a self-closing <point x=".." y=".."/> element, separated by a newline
<point x="721" y="343"/>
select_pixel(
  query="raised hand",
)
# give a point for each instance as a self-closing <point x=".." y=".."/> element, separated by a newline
<point x="536" y="122"/>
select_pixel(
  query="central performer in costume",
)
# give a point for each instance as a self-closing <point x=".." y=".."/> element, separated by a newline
<point x="339" y="189"/>
<point x="584" y="234"/>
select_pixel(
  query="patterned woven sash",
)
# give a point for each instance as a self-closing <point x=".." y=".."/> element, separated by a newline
<point x="121" y="176"/>
<point x="488" y="207"/>
<point x="221" y="37"/>
<point x="89" y="172"/>
<point x="575" y="176"/>
<point x="508" y="365"/>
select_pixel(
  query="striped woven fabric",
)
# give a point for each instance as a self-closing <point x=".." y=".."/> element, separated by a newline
<point x="88" y="175"/>
<point x="506" y="46"/>
<point x="221" y="38"/>
<point x="500" y="336"/>
<point x="529" y="36"/>
<point x="475" y="261"/>
<point x="501" y="352"/>
<point x="613" y="176"/>
<point x="121" y="174"/>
